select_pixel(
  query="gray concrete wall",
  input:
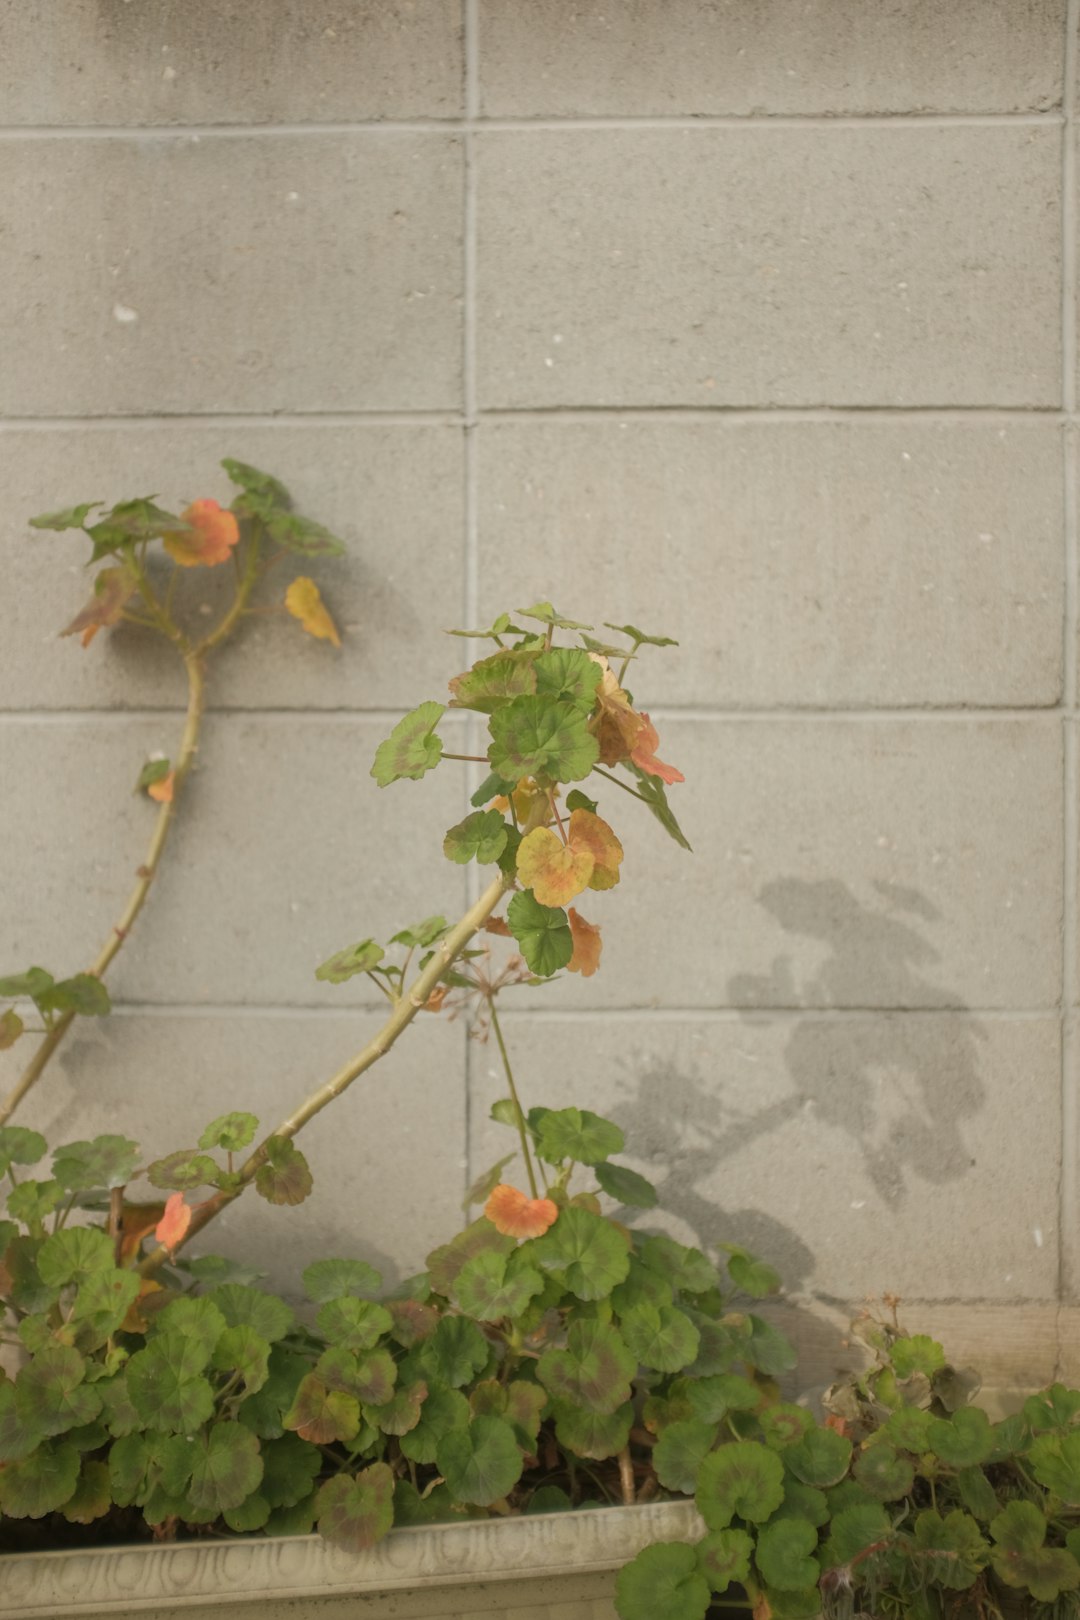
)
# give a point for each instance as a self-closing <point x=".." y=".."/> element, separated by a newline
<point x="750" y="320"/>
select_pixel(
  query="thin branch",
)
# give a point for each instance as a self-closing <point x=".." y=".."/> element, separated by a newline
<point x="518" y="1110"/>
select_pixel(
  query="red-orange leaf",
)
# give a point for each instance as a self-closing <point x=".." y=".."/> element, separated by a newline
<point x="592" y="833"/>
<point x="112" y="588"/>
<point x="587" y="945"/>
<point x="173" y="1225"/>
<point x="306" y="604"/>
<point x="163" y="789"/>
<point x="644" y="755"/>
<point x="211" y="534"/>
<point x="616" y="727"/>
<point x="515" y="1215"/>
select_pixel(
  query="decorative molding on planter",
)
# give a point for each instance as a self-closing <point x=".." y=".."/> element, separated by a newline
<point x="110" y="1581"/>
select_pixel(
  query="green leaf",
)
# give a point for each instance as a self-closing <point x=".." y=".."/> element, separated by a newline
<point x="455" y="1352"/>
<point x="915" y="1353"/>
<point x="954" y="1551"/>
<point x="549" y="1499"/>
<point x="141" y="1465"/>
<point x="242" y="1350"/>
<point x="586" y="1250"/>
<point x="421" y="934"/>
<point x="30" y="1202"/>
<point x="769" y="1350"/>
<point x="541" y="737"/>
<point x="11" y="1027"/>
<point x="106" y="1161"/>
<point x="499" y="627"/>
<point x="492" y="681"/>
<point x="356" y="1512"/>
<point x="400" y="1415"/>
<point x="593" y="1371"/>
<point x="211" y="1270"/>
<point x="443" y="1410"/>
<point x="1055" y="1462"/>
<point x="820" y="1458"/>
<point x="20" y="1146"/>
<point x="354" y="1324"/>
<point x="302" y="535"/>
<point x="92" y="1497"/>
<point x="724" y="1558"/>
<point x="662" y="1583"/>
<point x="962" y="1439"/>
<point x="242" y="1306"/>
<point x="480" y="837"/>
<point x="285" y="1178"/>
<point x="568" y="675"/>
<point x="491" y="1287"/>
<point x="803" y="1502"/>
<point x="17" y="1439"/>
<point x="485" y="1184"/>
<point x="977" y="1494"/>
<point x="230" y="1132"/>
<point x="688" y="1270"/>
<point x="73" y="1255"/>
<point x="84" y="994"/>
<point x="444" y="1263"/>
<point x="325" y="1280"/>
<point x="783" y="1424"/>
<point x="39" y="1483"/>
<point x="853" y="1530"/>
<point x="268" y="490"/>
<point x="250" y="1516"/>
<point x="640" y="637"/>
<point x="752" y="1276"/>
<point x="542" y="932"/>
<point x="360" y="958"/>
<point x="183" y="1171"/>
<point x="290" y="1468"/>
<point x="481" y="1463"/>
<point x="323" y="1415"/>
<point x="680" y="1452"/>
<point x="492" y="787"/>
<point x="1055" y="1408"/>
<point x="592" y="1434"/>
<point x="1020" y="1557"/>
<point x="714" y="1397"/>
<point x="571" y="1133"/>
<point x="33" y="983"/>
<point x="155" y="770"/>
<point x="72" y="517"/>
<point x="101" y="1305"/>
<point x="50" y="1394"/>
<point x="743" y="1478"/>
<point x="909" y="1428"/>
<point x="625" y="1185"/>
<point x="166" y="1385"/>
<point x="130" y="521"/>
<point x="651" y="789"/>
<point x="884" y="1473"/>
<point x="783" y="1555"/>
<point x="660" y="1336"/>
<point x="226" y="1467"/>
<point x="412" y="748"/>
<point x="547" y="615"/>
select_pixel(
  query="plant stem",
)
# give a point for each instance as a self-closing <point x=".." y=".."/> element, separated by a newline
<point x="408" y="1004"/>
<point x="634" y="794"/>
<point x="137" y="899"/>
<point x="626" y="1476"/>
<point x="519" y="1112"/>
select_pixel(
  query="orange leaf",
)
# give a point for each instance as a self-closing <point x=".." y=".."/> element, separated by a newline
<point x="304" y="603"/>
<point x="173" y="1225"/>
<point x="590" y="832"/>
<point x="437" y="997"/>
<point x="554" y="872"/>
<point x="162" y="790"/>
<point x="136" y="1220"/>
<point x="209" y="538"/>
<point x="587" y="945"/>
<point x="616" y="727"/>
<point x="497" y="925"/>
<point x="644" y="755"/>
<point x="112" y="588"/>
<point x="514" y="1215"/>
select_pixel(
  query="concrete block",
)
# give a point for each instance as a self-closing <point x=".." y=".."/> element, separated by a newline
<point x="770" y="266"/>
<point x="285" y="852"/>
<point x="805" y="563"/>
<point x="160" y="1079"/>
<point x="859" y="1154"/>
<point x="393" y="494"/>
<point x="679" y="57"/>
<point x="160" y="62"/>
<point x="869" y="863"/>
<point x="220" y="273"/>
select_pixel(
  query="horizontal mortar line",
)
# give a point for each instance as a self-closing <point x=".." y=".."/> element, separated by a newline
<point x="580" y="1015"/>
<point x="662" y="711"/>
<point x="165" y="419"/>
<point x="1001" y="414"/>
<point x="482" y="125"/>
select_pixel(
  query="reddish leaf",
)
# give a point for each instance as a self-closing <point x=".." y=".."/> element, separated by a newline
<point x="591" y="833"/>
<point x="644" y="755"/>
<point x="616" y="727"/>
<point x="515" y="1215"/>
<point x="112" y="588"/>
<point x="163" y="789"/>
<point x="209" y="538"/>
<point x="587" y="945"/>
<point x="173" y="1225"/>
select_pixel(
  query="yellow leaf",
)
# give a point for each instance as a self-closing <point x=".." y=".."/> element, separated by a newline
<point x="304" y="603"/>
<point x="11" y="1027"/>
<point x="592" y="833"/>
<point x="587" y="945"/>
<point x="554" y="872"/>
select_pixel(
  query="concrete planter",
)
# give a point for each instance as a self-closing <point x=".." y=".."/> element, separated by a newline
<point x="558" y="1566"/>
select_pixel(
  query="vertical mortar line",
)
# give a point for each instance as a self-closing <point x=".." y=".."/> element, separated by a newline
<point x="1069" y="1207"/>
<point x="473" y="732"/>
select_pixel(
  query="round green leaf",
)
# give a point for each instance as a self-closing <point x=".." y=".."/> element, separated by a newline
<point x="166" y="1385"/>
<point x="594" y="1370"/>
<point x="40" y="1482"/>
<point x="963" y="1439"/>
<point x="84" y="994"/>
<point x="50" y="1395"/>
<point x="1020" y="1557"/>
<point x="323" y="1415"/>
<point x="592" y="1434"/>
<point x="713" y="1398"/>
<point x="783" y="1555"/>
<point x="958" y="1541"/>
<point x="19" y="1145"/>
<point x="626" y="1185"/>
<point x="724" y="1557"/>
<point x="226" y="1467"/>
<point x="542" y="932"/>
<point x="354" y="1324"/>
<point x="355" y="1513"/>
<point x="250" y="1516"/>
<point x="443" y="1410"/>
<point x="74" y="1255"/>
<point x="767" y="1349"/>
<point x="230" y="1132"/>
<point x="481" y="1463"/>
<point x="492" y="681"/>
<point x="743" y="1478"/>
<point x="783" y="1424"/>
<point x="586" y="1250"/>
<point x="853" y="1530"/>
<point x="662" y="1583"/>
<point x="541" y="737"/>
<point x="285" y="1177"/>
<point x="290" y="1468"/>
<point x="977" y="1493"/>
<point x="490" y="1287"/>
<point x="687" y="1270"/>
<point x="569" y="674"/>
<point x="107" y="1161"/>
<point x="1055" y="1462"/>
<point x="915" y="1353"/>
<point x="480" y="837"/>
<point x="92" y="1497"/>
<point x="242" y="1350"/>
<point x="412" y="748"/>
<point x="183" y="1171"/>
<point x="752" y="1276"/>
<point x="360" y="958"/>
<point x="242" y="1306"/>
<point x="884" y="1473"/>
<point x="198" y="1321"/>
<point x="401" y="1414"/>
<point x="680" y="1452"/>
<point x="325" y="1280"/>
<point x="660" y="1336"/>
<point x="573" y="1133"/>
<point x="820" y="1458"/>
<point x="455" y="1352"/>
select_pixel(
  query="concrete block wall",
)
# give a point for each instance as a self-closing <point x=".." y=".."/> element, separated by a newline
<point x="747" y="320"/>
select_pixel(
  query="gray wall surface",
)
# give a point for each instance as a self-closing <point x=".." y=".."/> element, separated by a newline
<point x="750" y="321"/>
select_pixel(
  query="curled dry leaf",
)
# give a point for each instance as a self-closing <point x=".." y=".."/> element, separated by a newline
<point x="303" y="601"/>
<point x="173" y="1225"/>
<point x="587" y="945"/>
<point x="515" y="1215"/>
<point x="644" y="755"/>
<point x="209" y="539"/>
<point x="112" y="589"/>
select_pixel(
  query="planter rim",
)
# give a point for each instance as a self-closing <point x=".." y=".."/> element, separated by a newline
<point x="255" y="1569"/>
